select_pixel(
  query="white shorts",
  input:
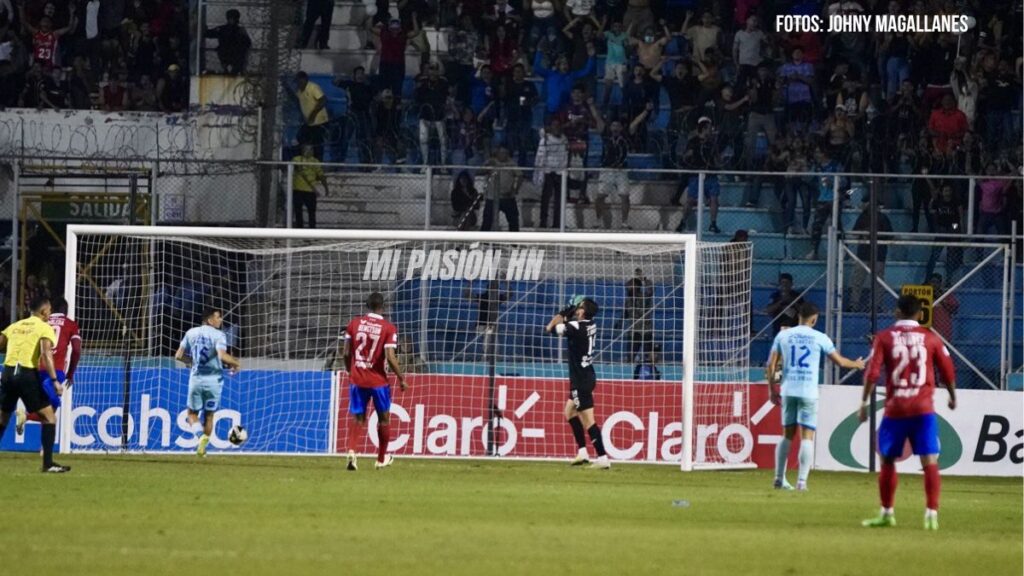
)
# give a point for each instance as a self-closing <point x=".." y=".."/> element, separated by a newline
<point x="615" y="73"/>
<point x="802" y="411"/>
<point x="616" y="183"/>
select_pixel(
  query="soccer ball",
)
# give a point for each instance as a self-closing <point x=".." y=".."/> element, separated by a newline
<point x="238" y="435"/>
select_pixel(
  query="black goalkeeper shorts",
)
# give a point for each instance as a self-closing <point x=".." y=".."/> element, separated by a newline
<point x="582" y="397"/>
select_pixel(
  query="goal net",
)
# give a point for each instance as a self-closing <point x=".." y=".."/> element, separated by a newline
<point x="485" y="378"/>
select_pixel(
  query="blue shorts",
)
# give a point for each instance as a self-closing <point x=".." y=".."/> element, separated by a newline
<point x="204" y="393"/>
<point x="359" y="399"/>
<point x="802" y="411"/>
<point x="711" y="187"/>
<point x="49" y="389"/>
<point x="922" y="431"/>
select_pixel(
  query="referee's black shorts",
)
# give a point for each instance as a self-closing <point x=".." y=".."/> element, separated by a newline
<point x="24" y="384"/>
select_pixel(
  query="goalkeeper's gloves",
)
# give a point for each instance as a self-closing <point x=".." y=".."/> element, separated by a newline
<point x="569" y="311"/>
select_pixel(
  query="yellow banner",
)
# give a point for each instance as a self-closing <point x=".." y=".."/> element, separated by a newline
<point x="926" y="294"/>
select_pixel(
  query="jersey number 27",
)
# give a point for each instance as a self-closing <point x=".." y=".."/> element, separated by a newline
<point x="362" y="339"/>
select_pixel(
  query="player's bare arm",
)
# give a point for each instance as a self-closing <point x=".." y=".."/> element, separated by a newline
<point x="47" y="359"/>
<point x="392" y="357"/>
<point x="555" y="321"/>
<point x="844" y="362"/>
<point x="865" y="399"/>
<point x="951" y="388"/>
<point x="76" y="355"/>
<point x="229" y="360"/>
<point x="3" y="343"/>
<point x="344" y="351"/>
<point x="945" y="373"/>
<point x="772" y="375"/>
<point x="183" y="357"/>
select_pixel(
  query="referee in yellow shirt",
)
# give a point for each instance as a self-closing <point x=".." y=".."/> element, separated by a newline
<point x="29" y="344"/>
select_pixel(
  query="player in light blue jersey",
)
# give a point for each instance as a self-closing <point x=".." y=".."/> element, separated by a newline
<point x="205" y="349"/>
<point x="796" y="356"/>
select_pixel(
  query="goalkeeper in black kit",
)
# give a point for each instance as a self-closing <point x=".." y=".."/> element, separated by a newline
<point x="576" y="324"/>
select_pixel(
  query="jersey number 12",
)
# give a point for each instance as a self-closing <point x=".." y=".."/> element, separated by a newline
<point x="801" y="362"/>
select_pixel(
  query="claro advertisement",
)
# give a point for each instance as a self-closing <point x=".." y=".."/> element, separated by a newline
<point x="518" y="417"/>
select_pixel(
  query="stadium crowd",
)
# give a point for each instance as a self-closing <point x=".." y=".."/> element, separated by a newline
<point x="109" y="55"/>
<point x="668" y="70"/>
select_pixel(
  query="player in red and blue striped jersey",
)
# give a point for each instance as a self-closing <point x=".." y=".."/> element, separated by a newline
<point x="369" y="341"/>
<point x="909" y="354"/>
<point x="66" y="354"/>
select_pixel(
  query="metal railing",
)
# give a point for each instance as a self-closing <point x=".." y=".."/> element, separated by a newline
<point x="844" y="185"/>
<point x="833" y="226"/>
<point x="580" y="199"/>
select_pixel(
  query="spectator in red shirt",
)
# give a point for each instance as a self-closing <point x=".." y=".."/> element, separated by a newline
<point x="114" y="96"/>
<point x="947" y="124"/>
<point x="391" y="44"/>
<point x="809" y="42"/>
<point x="503" y="51"/>
<point x="165" y="18"/>
<point x="45" y="38"/>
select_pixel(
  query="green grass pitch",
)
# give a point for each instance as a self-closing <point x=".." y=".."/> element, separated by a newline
<point x="147" y="515"/>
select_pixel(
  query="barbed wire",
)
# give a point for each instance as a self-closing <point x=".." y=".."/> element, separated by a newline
<point x="117" y="138"/>
<point x="87" y="134"/>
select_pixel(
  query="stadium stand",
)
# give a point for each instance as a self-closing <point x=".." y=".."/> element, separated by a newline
<point x="880" y="103"/>
<point x="111" y="56"/>
<point x="931" y="104"/>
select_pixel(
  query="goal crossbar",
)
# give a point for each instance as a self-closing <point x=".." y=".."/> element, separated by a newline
<point x="688" y="240"/>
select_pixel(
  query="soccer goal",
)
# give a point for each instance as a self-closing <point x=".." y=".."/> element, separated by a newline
<point x="485" y="379"/>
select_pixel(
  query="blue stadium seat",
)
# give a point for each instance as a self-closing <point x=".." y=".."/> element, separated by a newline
<point x="978" y="329"/>
<point x="981" y="301"/>
<point x="643" y="162"/>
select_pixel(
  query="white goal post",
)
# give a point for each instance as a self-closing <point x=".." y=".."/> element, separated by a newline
<point x="486" y="381"/>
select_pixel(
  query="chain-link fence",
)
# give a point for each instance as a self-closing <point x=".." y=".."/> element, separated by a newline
<point x="43" y="195"/>
<point x="797" y="223"/>
<point x="933" y="235"/>
<point x="206" y="193"/>
<point x="971" y="304"/>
